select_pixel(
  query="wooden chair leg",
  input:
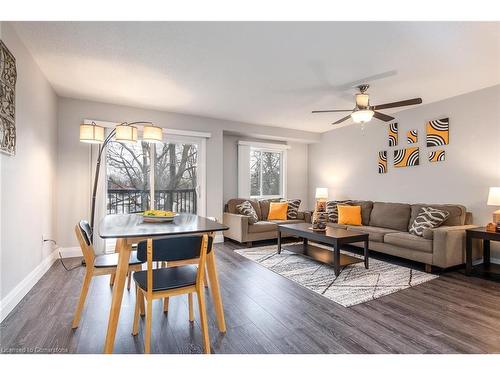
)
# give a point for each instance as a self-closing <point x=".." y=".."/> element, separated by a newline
<point x="190" y="302"/>
<point x="83" y="296"/>
<point x="147" y="339"/>
<point x="165" y="304"/>
<point x="203" y="320"/>
<point x="138" y="296"/>
<point x="205" y="280"/>
<point x="142" y="308"/>
<point x="112" y="279"/>
<point x="129" y="277"/>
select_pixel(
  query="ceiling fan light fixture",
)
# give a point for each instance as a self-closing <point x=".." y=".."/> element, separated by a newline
<point x="362" y="100"/>
<point x="362" y="116"/>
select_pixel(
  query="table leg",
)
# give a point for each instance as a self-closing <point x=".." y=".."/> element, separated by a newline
<point x="366" y="254"/>
<point x="336" y="259"/>
<point x="279" y="241"/>
<point x="468" y="254"/>
<point x="306" y="241"/>
<point x="486" y="252"/>
<point x="119" y="285"/>
<point x="215" y="290"/>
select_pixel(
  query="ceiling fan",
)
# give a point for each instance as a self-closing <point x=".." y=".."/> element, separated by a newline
<point x="363" y="112"/>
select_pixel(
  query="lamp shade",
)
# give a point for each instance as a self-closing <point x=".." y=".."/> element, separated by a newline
<point x="91" y="133"/>
<point x="363" y="115"/>
<point x="494" y="196"/>
<point x="126" y="134"/>
<point x="321" y="193"/>
<point x="152" y="134"/>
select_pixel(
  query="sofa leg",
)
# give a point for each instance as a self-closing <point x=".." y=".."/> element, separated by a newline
<point x="249" y="244"/>
<point x="428" y="268"/>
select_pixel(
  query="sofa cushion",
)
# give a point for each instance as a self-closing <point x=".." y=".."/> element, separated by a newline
<point x="262" y="226"/>
<point x="349" y="215"/>
<point x="428" y="218"/>
<point x="264" y="207"/>
<point x="246" y="208"/>
<point x="336" y="225"/>
<point x="332" y="210"/>
<point x="293" y="208"/>
<point x="457" y="213"/>
<point x="374" y="233"/>
<point x="409" y="241"/>
<point x="232" y="203"/>
<point x="366" y="210"/>
<point x="390" y="215"/>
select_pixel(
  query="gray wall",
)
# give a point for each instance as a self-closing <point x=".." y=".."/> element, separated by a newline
<point x="345" y="160"/>
<point x="28" y="179"/>
<point x="296" y="168"/>
<point x="74" y="169"/>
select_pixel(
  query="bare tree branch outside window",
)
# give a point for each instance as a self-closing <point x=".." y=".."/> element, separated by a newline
<point x="265" y="173"/>
<point x="175" y="173"/>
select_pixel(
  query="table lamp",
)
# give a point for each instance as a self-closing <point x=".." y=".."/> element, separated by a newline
<point x="494" y="200"/>
<point x="321" y="197"/>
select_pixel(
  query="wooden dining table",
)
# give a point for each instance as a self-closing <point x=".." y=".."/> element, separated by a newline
<point x="129" y="229"/>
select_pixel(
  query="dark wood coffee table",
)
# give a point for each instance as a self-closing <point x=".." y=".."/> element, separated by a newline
<point x="334" y="237"/>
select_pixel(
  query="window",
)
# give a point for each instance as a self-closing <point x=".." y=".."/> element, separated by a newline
<point x="261" y="169"/>
<point x="175" y="178"/>
<point x="265" y="173"/>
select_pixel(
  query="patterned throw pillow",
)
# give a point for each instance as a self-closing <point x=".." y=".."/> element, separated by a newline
<point x="293" y="208"/>
<point x="332" y="209"/>
<point x="246" y="208"/>
<point x="428" y="218"/>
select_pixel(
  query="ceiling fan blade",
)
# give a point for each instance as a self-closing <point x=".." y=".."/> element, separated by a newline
<point x="382" y="116"/>
<point x="341" y="120"/>
<point x="401" y="103"/>
<point x="333" y="110"/>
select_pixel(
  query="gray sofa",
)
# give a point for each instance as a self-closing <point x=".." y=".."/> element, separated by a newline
<point x="242" y="231"/>
<point x="387" y="225"/>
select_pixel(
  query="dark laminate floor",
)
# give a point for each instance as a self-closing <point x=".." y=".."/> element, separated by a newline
<point x="265" y="313"/>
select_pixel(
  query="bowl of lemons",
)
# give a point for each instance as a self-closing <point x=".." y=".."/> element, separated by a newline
<point x="158" y="216"/>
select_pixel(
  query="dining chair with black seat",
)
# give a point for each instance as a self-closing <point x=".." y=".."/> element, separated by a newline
<point x="157" y="283"/>
<point x="97" y="265"/>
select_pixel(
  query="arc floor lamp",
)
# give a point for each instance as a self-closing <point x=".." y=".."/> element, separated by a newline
<point x="126" y="132"/>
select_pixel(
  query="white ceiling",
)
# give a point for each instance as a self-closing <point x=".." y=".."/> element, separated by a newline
<point x="270" y="73"/>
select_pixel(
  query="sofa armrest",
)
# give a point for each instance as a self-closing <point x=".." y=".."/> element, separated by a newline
<point x="449" y="245"/>
<point x="238" y="226"/>
<point x="304" y="215"/>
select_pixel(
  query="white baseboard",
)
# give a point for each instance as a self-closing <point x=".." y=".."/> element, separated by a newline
<point x="15" y="296"/>
<point x="219" y="238"/>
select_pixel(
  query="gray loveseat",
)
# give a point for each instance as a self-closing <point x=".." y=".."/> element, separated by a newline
<point x="242" y="231"/>
<point x="387" y="225"/>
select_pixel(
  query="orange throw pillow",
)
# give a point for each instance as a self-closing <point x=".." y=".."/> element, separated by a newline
<point x="349" y="215"/>
<point x="277" y="211"/>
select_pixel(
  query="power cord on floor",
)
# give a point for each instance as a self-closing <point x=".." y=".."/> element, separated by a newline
<point x="66" y="268"/>
<point x="61" y="258"/>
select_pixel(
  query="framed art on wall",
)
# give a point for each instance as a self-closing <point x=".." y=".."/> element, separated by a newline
<point x="382" y="162"/>
<point x="412" y="136"/>
<point x="8" y="77"/>
<point x="438" y="132"/>
<point x="393" y="134"/>
<point x="406" y="157"/>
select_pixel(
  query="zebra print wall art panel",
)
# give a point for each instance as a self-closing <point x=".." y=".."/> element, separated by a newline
<point x="412" y="136"/>
<point x="382" y="162"/>
<point x="406" y="157"/>
<point x="438" y="155"/>
<point x="438" y="132"/>
<point x="393" y="134"/>
<point x="8" y="77"/>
